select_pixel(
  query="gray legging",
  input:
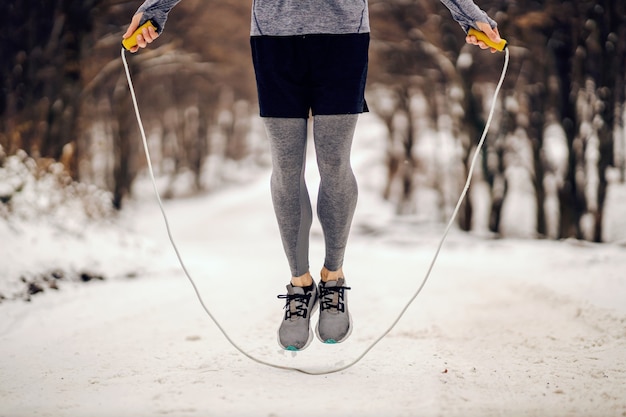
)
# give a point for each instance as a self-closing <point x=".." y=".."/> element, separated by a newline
<point x="337" y="195"/>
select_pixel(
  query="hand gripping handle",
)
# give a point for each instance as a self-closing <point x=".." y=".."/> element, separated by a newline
<point x="482" y="36"/>
<point x="131" y="41"/>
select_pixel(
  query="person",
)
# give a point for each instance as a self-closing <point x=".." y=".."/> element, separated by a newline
<point x="310" y="57"/>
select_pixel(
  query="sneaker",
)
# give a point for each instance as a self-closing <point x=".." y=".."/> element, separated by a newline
<point x="295" y="331"/>
<point x="335" y="323"/>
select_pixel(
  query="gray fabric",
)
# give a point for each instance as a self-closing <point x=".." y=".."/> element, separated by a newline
<point x="338" y="192"/>
<point x="466" y="13"/>
<point x="337" y="195"/>
<point x="289" y="192"/>
<point x="297" y="17"/>
<point x="157" y="10"/>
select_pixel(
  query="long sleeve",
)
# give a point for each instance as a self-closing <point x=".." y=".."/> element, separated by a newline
<point x="466" y="13"/>
<point x="157" y="10"/>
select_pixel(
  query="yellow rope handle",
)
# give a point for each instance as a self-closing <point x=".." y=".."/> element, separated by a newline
<point x="482" y="36"/>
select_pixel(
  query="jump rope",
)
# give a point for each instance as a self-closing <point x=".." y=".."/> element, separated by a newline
<point x="502" y="46"/>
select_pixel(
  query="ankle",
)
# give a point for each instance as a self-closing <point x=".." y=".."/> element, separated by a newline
<point x="302" y="280"/>
<point x="328" y="275"/>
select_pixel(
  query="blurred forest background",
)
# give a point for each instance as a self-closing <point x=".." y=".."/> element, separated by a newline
<point x="559" y="133"/>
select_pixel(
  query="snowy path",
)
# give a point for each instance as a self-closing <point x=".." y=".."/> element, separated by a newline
<point x="503" y="328"/>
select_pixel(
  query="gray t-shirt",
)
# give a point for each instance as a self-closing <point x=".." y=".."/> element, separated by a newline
<point x="300" y="17"/>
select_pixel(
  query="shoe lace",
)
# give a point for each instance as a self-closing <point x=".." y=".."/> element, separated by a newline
<point x="332" y="298"/>
<point x="296" y="305"/>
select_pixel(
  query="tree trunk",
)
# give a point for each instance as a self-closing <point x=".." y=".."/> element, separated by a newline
<point x="41" y="72"/>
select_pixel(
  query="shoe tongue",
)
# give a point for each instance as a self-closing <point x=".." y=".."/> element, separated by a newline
<point x="291" y="289"/>
<point x="338" y="283"/>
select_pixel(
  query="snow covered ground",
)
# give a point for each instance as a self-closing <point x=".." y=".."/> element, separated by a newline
<point x="502" y="328"/>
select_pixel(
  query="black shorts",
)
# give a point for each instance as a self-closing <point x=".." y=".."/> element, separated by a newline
<point x="321" y="74"/>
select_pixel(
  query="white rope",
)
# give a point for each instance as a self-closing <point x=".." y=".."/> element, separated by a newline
<point x="408" y="304"/>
